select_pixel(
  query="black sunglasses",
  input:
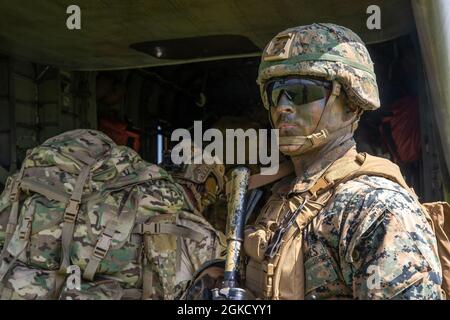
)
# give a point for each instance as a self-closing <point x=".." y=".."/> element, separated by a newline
<point x="298" y="90"/>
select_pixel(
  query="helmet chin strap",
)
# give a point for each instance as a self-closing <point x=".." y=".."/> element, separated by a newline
<point x="321" y="134"/>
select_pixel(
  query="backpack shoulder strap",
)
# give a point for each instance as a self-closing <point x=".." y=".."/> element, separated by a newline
<point x="354" y="165"/>
<point x="376" y="166"/>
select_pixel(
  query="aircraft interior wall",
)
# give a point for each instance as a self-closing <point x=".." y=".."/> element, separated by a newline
<point x="138" y="105"/>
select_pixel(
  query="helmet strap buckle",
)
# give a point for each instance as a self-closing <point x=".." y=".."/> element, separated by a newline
<point x="315" y="138"/>
<point x="336" y="89"/>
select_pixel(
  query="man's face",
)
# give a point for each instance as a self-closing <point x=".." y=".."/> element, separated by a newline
<point x="295" y="120"/>
<point x="296" y="108"/>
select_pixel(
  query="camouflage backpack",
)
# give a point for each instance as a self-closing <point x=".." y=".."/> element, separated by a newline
<point x="83" y="206"/>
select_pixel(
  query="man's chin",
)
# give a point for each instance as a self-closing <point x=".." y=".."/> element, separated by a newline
<point x="289" y="149"/>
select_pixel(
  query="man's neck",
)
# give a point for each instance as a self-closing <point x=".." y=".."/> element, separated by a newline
<point x="309" y="164"/>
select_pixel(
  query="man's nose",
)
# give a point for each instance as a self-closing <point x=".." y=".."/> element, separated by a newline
<point x="284" y="104"/>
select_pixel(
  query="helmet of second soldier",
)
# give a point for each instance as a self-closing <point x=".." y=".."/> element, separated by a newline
<point x="203" y="182"/>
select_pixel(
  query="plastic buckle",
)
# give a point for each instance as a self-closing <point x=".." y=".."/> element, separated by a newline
<point x="156" y="228"/>
<point x="269" y="270"/>
<point x="14" y="191"/>
<point x="102" y="246"/>
<point x="24" y="231"/>
<point x="336" y="89"/>
<point x="321" y="184"/>
<point x="323" y="134"/>
<point x="152" y="228"/>
<point x="10" y="227"/>
<point x="71" y="210"/>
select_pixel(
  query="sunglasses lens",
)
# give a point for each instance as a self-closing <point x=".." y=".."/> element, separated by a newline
<point x="298" y="91"/>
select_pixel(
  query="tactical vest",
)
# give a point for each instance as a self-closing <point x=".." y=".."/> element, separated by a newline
<point x="84" y="207"/>
<point x="275" y="268"/>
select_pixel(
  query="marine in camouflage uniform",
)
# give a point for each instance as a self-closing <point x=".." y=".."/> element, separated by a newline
<point x="372" y="239"/>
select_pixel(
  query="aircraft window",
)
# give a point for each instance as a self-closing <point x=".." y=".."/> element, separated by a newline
<point x="159" y="147"/>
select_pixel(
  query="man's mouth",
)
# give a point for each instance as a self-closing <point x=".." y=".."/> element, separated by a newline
<point x="285" y="125"/>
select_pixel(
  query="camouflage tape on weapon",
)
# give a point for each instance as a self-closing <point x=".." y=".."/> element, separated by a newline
<point x="235" y="224"/>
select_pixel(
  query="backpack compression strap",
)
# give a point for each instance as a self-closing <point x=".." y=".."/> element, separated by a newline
<point x="70" y="216"/>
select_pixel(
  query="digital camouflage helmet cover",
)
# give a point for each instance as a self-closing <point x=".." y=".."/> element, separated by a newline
<point x="327" y="51"/>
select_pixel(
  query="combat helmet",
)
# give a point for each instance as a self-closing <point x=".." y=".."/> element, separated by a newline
<point x="326" y="51"/>
<point x="203" y="183"/>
